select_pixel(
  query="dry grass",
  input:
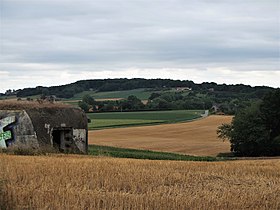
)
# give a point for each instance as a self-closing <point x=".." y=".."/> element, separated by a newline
<point x="81" y="182"/>
<point x="194" y="138"/>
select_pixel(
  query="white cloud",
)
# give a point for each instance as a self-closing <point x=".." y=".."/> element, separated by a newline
<point x="4" y="74"/>
<point x="59" y="75"/>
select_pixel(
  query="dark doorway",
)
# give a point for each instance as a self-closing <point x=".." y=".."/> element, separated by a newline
<point x="62" y="139"/>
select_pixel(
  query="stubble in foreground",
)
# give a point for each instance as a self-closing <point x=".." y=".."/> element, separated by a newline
<point x="80" y="182"/>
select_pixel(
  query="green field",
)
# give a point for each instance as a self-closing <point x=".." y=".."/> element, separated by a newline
<point x="125" y="119"/>
<point x="142" y="94"/>
<point x="98" y="150"/>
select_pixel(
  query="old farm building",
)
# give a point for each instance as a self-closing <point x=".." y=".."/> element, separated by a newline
<point x="38" y="125"/>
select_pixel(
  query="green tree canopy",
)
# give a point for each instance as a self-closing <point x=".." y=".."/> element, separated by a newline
<point x="255" y="131"/>
<point x="84" y="106"/>
<point x="88" y="99"/>
<point x="132" y="103"/>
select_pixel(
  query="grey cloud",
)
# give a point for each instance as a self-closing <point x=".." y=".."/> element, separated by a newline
<point x="139" y="32"/>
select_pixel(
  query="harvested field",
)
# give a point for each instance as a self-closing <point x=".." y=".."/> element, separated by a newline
<point x="194" y="138"/>
<point x="82" y="182"/>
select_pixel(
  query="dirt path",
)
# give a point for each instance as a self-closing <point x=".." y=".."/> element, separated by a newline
<point x="195" y="138"/>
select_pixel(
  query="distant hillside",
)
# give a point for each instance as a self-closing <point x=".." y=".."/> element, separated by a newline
<point x="102" y="85"/>
<point x="156" y="94"/>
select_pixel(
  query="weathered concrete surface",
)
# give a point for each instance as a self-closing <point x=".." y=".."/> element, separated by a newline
<point x="80" y="137"/>
<point x="45" y="120"/>
<point x="35" y="126"/>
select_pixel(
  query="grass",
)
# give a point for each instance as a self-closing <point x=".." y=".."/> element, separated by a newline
<point x="98" y="150"/>
<point x="110" y="123"/>
<point x="125" y="119"/>
<point x="142" y="94"/>
<point x="87" y="182"/>
<point x="72" y="103"/>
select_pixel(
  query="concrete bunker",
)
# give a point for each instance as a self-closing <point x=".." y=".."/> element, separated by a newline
<point x="33" y="125"/>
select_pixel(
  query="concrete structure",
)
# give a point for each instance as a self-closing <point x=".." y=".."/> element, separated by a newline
<point x="38" y="125"/>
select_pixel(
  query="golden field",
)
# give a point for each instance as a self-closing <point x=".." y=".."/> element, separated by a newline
<point x="198" y="137"/>
<point x="84" y="182"/>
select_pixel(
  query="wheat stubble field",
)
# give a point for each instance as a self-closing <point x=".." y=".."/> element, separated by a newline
<point x="87" y="182"/>
<point x="82" y="182"/>
<point x="194" y="138"/>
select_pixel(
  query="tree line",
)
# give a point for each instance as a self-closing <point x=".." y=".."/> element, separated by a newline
<point x="69" y="90"/>
<point x="216" y="101"/>
<point x="132" y="103"/>
<point x="169" y="100"/>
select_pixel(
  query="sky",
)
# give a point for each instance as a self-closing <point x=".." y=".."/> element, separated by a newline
<point x="55" y="42"/>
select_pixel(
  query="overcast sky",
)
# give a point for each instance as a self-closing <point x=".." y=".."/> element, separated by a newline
<point x="53" y="42"/>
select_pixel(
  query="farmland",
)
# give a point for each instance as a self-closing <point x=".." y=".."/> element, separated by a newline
<point x="83" y="182"/>
<point x="107" y="151"/>
<point x="193" y="138"/>
<point x="124" y="119"/>
<point x="141" y="93"/>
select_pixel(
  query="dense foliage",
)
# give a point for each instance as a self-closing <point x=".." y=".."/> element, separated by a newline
<point x="67" y="91"/>
<point x="226" y="99"/>
<point x="169" y="100"/>
<point x="132" y="103"/>
<point x="255" y="131"/>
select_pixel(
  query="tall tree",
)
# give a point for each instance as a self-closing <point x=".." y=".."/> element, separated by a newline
<point x="270" y="109"/>
<point x="255" y="131"/>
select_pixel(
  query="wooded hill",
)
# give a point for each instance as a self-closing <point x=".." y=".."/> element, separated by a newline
<point x="69" y="90"/>
<point x="161" y="94"/>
